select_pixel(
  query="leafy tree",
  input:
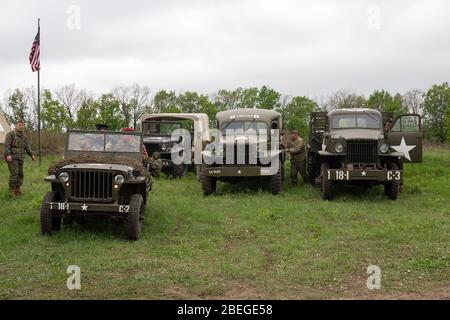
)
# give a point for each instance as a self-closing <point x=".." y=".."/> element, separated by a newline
<point x="165" y="101"/>
<point x="296" y="114"/>
<point x="87" y="115"/>
<point x="109" y="112"/>
<point x="17" y="108"/>
<point x="268" y="98"/>
<point x="436" y="109"/>
<point x="384" y="102"/>
<point x="54" y="116"/>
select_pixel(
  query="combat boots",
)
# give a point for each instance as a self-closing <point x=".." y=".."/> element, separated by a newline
<point x="18" y="192"/>
<point x="12" y="193"/>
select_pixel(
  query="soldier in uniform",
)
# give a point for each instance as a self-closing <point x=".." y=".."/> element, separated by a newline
<point x="16" y="145"/>
<point x="296" y="149"/>
<point x="156" y="164"/>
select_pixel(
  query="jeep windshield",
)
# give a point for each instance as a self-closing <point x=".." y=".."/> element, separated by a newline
<point x="243" y="127"/>
<point x="356" y="121"/>
<point x="103" y="142"/>
<point x="160" y="128"/>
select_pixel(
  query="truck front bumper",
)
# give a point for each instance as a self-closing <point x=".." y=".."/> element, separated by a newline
<point x="364" y="175"/>
<point x="236" y="171"/>
<point x="68" y="208"/>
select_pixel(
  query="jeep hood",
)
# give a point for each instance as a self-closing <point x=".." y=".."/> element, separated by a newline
<point x="370" y="134"/>
<point x="98" y="166"/>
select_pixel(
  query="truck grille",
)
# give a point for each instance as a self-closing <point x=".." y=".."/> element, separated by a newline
<point x="241" y="155"/>
<point x="362" y="151"/>
<point x="91" y="184"/>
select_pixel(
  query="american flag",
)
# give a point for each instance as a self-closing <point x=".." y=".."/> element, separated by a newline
<point x="35" y="60"/>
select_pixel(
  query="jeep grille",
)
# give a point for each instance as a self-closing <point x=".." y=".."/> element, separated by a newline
<point x="362" y="151"/>
<point x="91" y="185"/>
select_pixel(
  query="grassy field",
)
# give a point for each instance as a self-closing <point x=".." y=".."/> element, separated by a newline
<point x="242" y="243"/>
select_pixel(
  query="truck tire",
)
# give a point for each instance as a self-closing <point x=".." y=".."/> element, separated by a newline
<point x="392" y="189"/>
<point x="179" y="170"/>
<point x="49" y="224"/>
<point x="135" y="217"/>
<point x="325" y="184"/>
<point x="208" y="183"/>
<point x="276" y="181"/>
<point x="310" y="169"/>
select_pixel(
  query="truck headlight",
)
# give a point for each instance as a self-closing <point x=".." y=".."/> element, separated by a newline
<point x="384" y="148"/>
<point x="119" y="178"/>
<point x="63" y="177"/>
<point x="338" y="147"/>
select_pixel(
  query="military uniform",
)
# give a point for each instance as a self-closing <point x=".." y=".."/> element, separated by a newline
<point x="296" y="150"/>
<point x="156" y="165"/>
<point x="16" y="145"/>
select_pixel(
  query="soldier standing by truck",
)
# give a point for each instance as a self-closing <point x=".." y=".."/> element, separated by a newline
<point x="16" y="144"/>
<point x="296" y="149"/>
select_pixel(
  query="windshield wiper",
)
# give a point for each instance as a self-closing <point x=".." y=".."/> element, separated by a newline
<point x="248" y="127"/>
<point x="232" y="120"/>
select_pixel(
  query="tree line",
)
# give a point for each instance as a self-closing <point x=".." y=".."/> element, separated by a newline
<point x="71" y="107"/>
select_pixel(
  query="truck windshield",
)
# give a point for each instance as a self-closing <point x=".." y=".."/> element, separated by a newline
<point x="355" y="120"/>
<point x="160" y="128"/>
<point x="238" y="127"/>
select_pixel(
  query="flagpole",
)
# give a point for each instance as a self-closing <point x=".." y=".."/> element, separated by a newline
<point x="39" y="96"/>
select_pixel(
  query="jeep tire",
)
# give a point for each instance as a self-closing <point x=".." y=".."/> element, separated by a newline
<point x="135" y="217"/>
<point x="49" y="224"/>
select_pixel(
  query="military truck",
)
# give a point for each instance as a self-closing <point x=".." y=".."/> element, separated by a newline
<point x="102" y="174"/>
<point x="240" y="156"/>
<point x="158" y="128"/>
<point x="362" y="146"/>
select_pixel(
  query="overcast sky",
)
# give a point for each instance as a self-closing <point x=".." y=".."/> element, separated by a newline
<point x="296" y="47"/>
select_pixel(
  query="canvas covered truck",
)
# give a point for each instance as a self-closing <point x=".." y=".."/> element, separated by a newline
<point x="362" y="146"/>
<point x="158" y="131"/>
<point x="102" y="174"/>
<point x="241" y="156"/>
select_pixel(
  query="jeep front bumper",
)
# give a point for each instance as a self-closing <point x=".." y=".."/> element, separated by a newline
<point x="364" y="175"/>
<point x="68" y="208"/>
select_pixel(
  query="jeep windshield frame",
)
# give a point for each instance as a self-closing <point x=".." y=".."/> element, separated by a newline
<point x="355" y="120"/>
<point x="104" y="142"/>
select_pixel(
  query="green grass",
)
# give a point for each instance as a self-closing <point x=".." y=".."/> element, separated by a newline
<point x="241" y="243"/>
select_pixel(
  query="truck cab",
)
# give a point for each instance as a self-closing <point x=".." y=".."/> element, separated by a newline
<point x="362" y="146"/>
<point x="248" y="148"/>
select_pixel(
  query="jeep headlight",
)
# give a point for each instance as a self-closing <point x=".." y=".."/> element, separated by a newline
<point x="63" y="177"/>
<point x="119" y="178"/>
<point x="384" y="148"/>
<point x="163" y="147"/>
<point x="338" y="147"/>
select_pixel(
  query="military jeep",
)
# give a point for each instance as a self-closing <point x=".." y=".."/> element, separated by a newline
<point x="102" y="174"/>
<point x="158" y="131"/>
<point x="361" y="146"/>
<point x="237" y="155"/>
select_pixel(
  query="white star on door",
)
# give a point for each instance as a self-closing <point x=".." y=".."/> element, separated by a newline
<point x="84" y="207"/>
<point x="404" y="148"/>
<point x="363" y="173"/>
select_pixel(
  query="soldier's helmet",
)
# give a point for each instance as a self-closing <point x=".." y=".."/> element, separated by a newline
<point x="156" y="155"/>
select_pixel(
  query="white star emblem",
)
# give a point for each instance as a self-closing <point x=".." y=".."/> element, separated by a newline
<point x="404" y="148"/>
<point x="363" y="173"/>
<point x="84" y="207"/>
